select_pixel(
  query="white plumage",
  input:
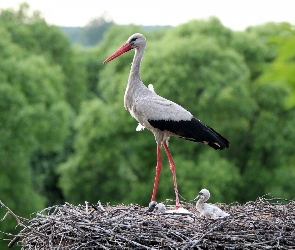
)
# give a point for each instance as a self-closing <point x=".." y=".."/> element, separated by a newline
<point x="207" y="210"/>
<point x="139" y="126"/>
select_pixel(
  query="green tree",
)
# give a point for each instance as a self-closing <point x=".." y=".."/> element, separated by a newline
<point x="35" y="36"/>
<point x="36" y="114"/>
<point x="277" y="81"/>
<point x="94" y="31"/>
<point x="267" y="150"/>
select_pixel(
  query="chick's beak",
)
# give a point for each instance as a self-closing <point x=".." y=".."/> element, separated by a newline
<point x="197" y="198"/>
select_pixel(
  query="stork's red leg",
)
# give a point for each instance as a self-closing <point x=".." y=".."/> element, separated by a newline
<point x="172" y="168"/>
<point x="158" y="171"/>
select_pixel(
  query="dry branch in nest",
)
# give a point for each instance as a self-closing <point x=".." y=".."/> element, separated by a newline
<point x="267" y="223"/>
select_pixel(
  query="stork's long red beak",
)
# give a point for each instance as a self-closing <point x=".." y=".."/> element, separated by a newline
<point x="124" y="48"/>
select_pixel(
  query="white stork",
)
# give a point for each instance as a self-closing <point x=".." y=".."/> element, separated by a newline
<point x="161" y="116"/>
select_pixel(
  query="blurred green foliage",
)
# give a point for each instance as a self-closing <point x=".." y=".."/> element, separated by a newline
<point x="65" y="135"/>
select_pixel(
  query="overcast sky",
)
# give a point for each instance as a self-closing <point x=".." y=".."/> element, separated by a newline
<point x="236" y="14"/>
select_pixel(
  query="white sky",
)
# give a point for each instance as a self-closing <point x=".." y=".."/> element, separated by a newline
<point x="235" y="14"/>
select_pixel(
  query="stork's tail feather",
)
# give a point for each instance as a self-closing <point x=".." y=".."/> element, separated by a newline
<point x="193" y="130"/>
<point x="212" y="138"/>
<point x="200" y="132"/>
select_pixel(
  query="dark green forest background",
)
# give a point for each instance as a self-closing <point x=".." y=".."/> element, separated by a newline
<point x="65" y="135"/>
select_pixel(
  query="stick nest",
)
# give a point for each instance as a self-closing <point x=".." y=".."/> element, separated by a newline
<point x="267" y="223"/>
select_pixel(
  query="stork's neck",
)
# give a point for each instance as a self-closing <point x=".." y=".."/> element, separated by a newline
<point x="200" y="205"/>
<point x="134" y="75"/>
<point x="135" y="84"/>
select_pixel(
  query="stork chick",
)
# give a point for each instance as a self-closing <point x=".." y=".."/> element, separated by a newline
<point x="207" y="210"/>
<point x="162" y="208"/>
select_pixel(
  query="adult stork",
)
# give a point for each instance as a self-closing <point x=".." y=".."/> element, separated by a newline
<point x="162" y="117"/>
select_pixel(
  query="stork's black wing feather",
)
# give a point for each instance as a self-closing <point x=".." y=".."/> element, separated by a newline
<point x="193" y="130"/>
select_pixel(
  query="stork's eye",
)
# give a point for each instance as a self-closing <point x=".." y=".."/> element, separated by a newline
<point x="133" y="39"/>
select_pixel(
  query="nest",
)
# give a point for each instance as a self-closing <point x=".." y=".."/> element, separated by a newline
<point x="267" y="223"/>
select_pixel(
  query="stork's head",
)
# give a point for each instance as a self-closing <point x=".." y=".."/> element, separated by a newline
<point x="204" y="195"/>
<point x="137" y="41"/>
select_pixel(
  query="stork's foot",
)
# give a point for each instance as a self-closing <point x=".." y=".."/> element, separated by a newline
<point x="152" y="206"/>
<point x="177" y="206"/>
